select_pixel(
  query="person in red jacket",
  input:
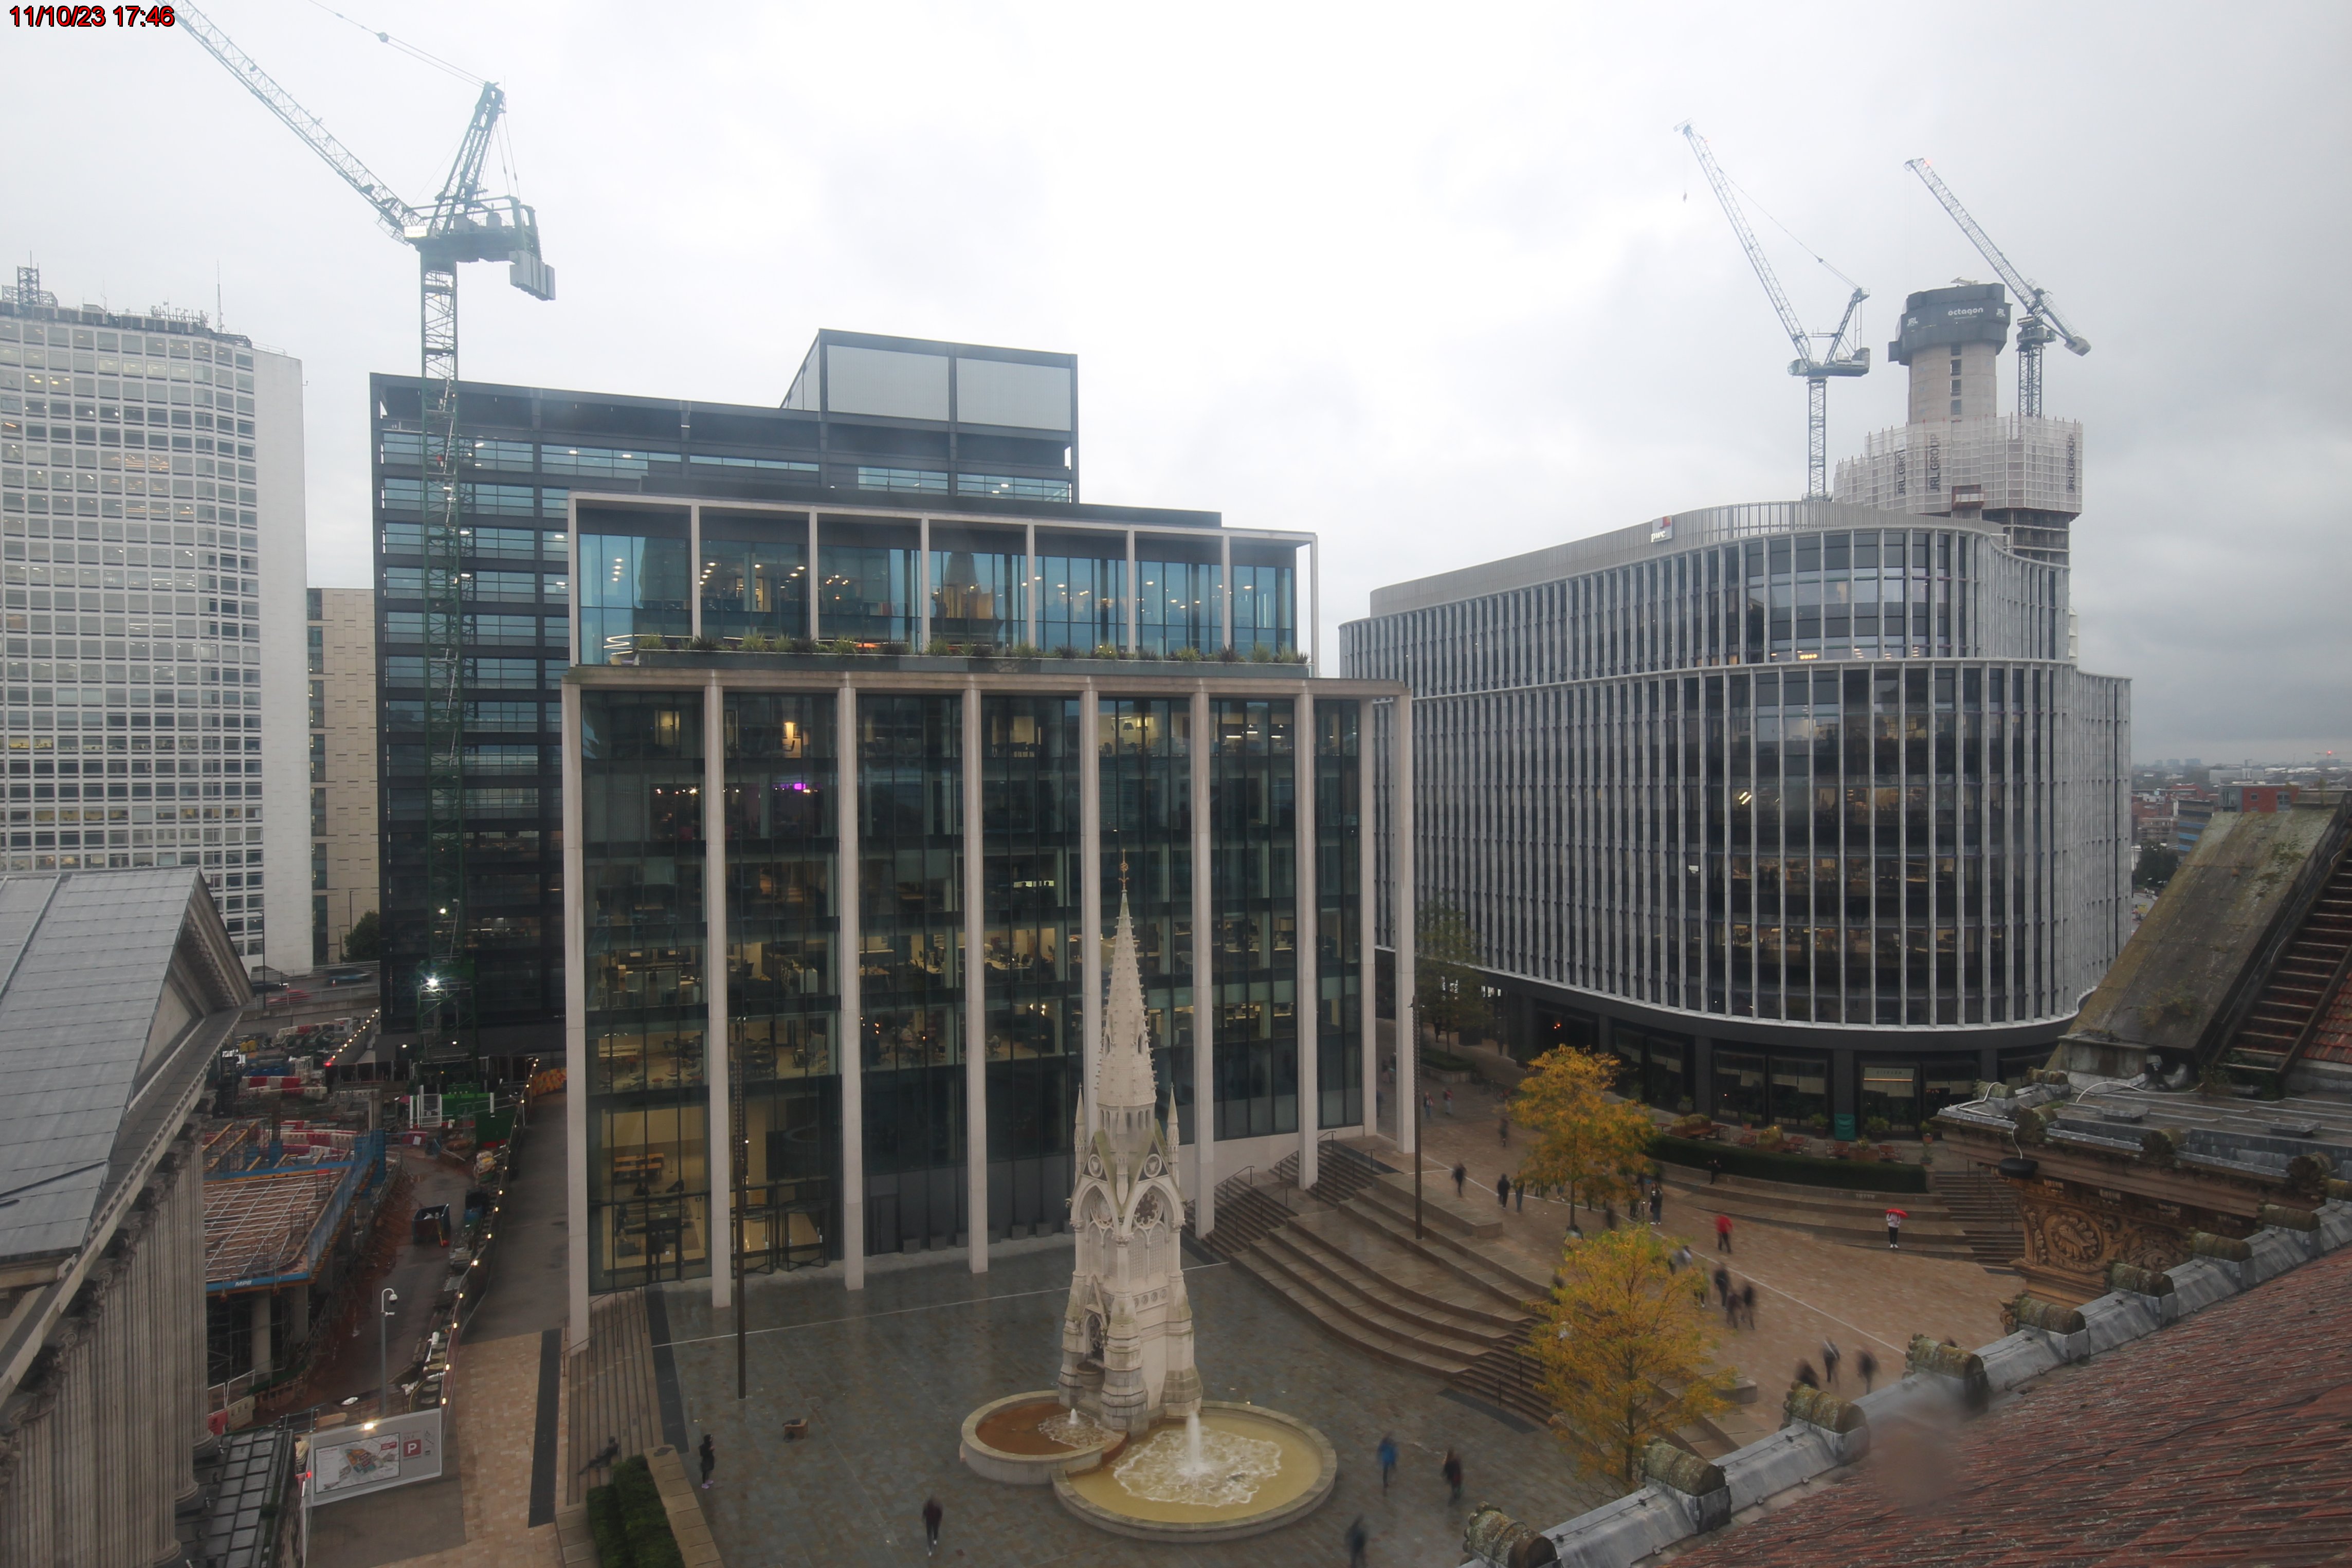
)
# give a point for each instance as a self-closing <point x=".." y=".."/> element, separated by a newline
<point x="1723" y="1233"/>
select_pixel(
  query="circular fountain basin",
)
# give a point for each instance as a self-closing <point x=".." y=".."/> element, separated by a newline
<point x="1262" y="1470"/>
<point x="1002" y="1440"/>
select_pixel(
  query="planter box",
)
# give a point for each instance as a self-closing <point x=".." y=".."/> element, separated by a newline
<point x="1854" y="1175"/>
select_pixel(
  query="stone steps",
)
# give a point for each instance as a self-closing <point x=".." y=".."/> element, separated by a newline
<point x="1509" y="1282"/>
<point x="1848" y="1219"/>
<point x="1986" y="1211"/>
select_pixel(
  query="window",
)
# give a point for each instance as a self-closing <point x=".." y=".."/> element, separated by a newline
<point x="510" y="587"/>
<point x="1010" y="485"/>
<point x="496" y="454"/>
<point x="920" y="480"/>
<point x="601" y="462"/>
<point x="519" y="717"/>
<point x="773" y="465"/>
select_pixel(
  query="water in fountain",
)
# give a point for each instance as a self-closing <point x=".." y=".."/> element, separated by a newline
<point x="1209" y="1469"/>
<point x="1192" y="1460"/>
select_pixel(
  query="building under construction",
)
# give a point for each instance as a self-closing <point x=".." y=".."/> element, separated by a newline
<point x="1957" y="455"/>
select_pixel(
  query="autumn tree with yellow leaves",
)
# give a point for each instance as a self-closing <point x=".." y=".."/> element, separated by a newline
<point x="1623" y="1347"/>
<point x="1594" y="1146"/>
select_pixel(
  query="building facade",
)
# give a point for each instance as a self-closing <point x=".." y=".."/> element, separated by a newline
<point x="152" y="505"/>
<point x="343" y="773"/>
<point x="914" y="860"/>
<point x="972" y="429"/>
<point x="1804" y="812"/>
<point x="103" y="1388"/>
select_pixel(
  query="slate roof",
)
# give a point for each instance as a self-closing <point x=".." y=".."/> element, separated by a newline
<point x="84" y="958"/>
<point x="2225" y="1438"/>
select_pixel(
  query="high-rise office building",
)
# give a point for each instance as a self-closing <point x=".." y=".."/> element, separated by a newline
<point x="865" y="416"/>
<point x="1803" y="808"/>
<point x="151" y="504"/>
<point x="343" y="761"/>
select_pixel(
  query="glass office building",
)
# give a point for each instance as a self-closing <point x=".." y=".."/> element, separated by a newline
<point x="1805" y="811"/>
<point x="854" y="788"/>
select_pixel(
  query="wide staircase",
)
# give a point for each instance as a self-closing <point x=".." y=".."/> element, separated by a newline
<point x="2309" y="972"/>
<point x="1830" y="1214"/>
<point x="1986" y="1211"/>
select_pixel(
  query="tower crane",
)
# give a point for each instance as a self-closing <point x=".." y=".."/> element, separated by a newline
<point x="460" y="224"/>
<point x="2041" y="326"/>
<point x="1841" y="357"/>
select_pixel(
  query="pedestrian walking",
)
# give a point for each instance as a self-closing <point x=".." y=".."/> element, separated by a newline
<point x="1747" y="1304"/>
<point x="1388" y="1458"/>
<point x="1723" y="1233"/>
<point x="1449" y="1100"/>
<point x="1722" y="1284"/>
<point x="1519" y="1196"/>
<point x="1357" y="1539"/>
<point x="1866" y="1364"/>
<point x="1657" y="1202"/>
<point x="1452" y="1470"/>
<point x="1894" y="1218"/>
<point x="604" y="1456"/>
<point x="1503" y="1131"/>
<point x="1731" y="1309"/>
<point x="1830" y="1359"/>
<point x="708" y="1454"/>
<point x="932" y="1513"/>
<point x="1805" y="1375"/>
<point x="1460" y="1175"/>
<point x="1678" y="1259"/>
<point x="1609" y="1215"/>
<point x="1714" y="1169"/>
<point x="1428" y="1106"/>
<point x="1503" y="1189"/>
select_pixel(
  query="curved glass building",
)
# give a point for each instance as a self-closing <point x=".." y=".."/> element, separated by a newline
<point x="1804" y="810"/>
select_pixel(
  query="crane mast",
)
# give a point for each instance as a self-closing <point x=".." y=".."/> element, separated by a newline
<point x="2042" y="325"/>
<point x="461" y="226"/>
<point x="1841" y="358"/>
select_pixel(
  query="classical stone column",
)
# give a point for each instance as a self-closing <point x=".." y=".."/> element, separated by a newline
<point x="28" y="1520"/>
<point x="74" y="1497"/>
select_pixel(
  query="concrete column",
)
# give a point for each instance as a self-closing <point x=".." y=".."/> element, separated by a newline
<point x="1224" y="590"/>
<point x="1366" y="910"/>
<point x="719" y="1129"/>
<point x="73" y="1478"/>
<point x="1308" y="1008"/>
<point x="852" y="1015"/>
<point x="975" y="995"/>
<point x="298" y="1313"/>
<point x="923" y="584"/>
<point x="813" y="630"/>
<point x="1133" y="590"/>
<point x="257" y="1316"/>
<point x="1204" y="982"/>
<point x="577" y="1082"/>
<point x="1090" y="898"/>
<point x="693" y="565"/>
<point x="1029" y="594"/>
<point x="1406" y="917"/>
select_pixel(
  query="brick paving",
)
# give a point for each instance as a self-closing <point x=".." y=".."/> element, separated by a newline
<point x="1808" y="1289"/>
<point x="888" y="1374"/>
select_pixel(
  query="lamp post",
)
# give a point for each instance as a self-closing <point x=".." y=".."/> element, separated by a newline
<point x="383" y="1351"/>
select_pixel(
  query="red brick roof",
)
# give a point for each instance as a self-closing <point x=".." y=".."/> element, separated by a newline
<point x="2224" y="1438"/>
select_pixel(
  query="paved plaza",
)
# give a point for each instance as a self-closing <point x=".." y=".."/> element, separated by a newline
<point x="886" y="1376"/>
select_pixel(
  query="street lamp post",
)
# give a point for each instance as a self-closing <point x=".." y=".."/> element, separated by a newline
<point x="383" y="1351"/>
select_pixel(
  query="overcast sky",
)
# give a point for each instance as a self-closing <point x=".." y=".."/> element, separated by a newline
<point x="1439" y="284"/>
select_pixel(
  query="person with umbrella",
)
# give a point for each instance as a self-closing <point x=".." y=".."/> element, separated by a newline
<point x="1894" y="1218"/>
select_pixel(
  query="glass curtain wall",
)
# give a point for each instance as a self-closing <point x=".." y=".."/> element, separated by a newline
<point x="753" y="575"/>
<point x="642" y="864"/>
<point x="865" y="580"/>
<point x="1758" y="1089"/>
<point x="633" y="576"/>
<point x="1031" y="888"/>
<point x="1338" y="915"/>
<point x="1179" y="596"/>
<point x="782" y="989"/>
<point x="1145" y="781"/>
<point x="1266" y="596"/>
<point x="1082" y="603"/>
<point x="1253" y="786"/>
<point x="910" y="961"/>
<point x="977" y="579"/>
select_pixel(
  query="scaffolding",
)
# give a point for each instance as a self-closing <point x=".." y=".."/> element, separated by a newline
<point x="2021" y="464"/>
<point x="270" y="1226"/>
